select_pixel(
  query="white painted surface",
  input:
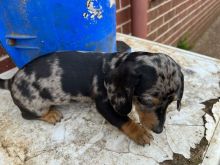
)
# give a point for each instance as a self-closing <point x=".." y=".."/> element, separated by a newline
<point x="84" y="137"/>
<point x="8" y="74"/>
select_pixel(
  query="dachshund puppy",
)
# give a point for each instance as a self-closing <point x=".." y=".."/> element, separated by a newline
<point x="114" y="81"/>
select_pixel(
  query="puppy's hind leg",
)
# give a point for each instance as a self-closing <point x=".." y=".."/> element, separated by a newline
<point x="52" y="116"/>
<point x="27" y="114"/>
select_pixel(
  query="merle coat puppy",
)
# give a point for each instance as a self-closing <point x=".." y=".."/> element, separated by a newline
<point x="114" y="81"/>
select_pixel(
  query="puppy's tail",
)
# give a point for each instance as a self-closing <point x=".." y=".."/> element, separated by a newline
<point x="4" y="84"/>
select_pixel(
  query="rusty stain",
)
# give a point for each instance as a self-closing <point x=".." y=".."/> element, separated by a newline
<point x="11" y="42"/>
<point x="18" y="151"/>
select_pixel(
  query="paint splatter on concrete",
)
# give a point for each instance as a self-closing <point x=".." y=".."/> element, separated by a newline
<point x="94" y="10"/>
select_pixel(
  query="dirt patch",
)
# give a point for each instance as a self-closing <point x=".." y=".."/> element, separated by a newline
<point x="196" y="155"/>
<point x="15" y="151"/>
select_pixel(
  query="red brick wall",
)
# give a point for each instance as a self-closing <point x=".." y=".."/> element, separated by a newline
<point x="123" y="16"/>
<point x="170" y="20"/>
<point x="5" y="62"/>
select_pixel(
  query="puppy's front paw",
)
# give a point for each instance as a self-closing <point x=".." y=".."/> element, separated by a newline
<point x="142" y="136"/>
<point x="52" y="117"/>
<point x="137" y="133"/>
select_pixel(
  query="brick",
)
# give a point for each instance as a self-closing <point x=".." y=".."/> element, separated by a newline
<point x="123" y="16"/>
<point x="119" y="29"/>
<point x="205" y="3"/>
<point x="6" y="64"/>
<point x="182" y="7"/>
<point x="163" y="29"/>
<point x="157" y="23"/>
<point x="164" y="8"/>
<point x="175" y="27"/>
<point x="176" y="2"/>
<point x="161" y="39"/>
<point x="117" y="4"/>
<point x="169" y="15"/>
<point x="164" y="36"/>
<point x="176" y="36"/>
<point x="152" y="14"/>
<point x="193" y="7"/>
<point x="154" y="3"/>
<point x="168" y="33"/>
<point x="126" y="29"/>
<point x="152" y="36"/>
<point x="185" y="20"/>
<point x="2" y="51"/>
<point x="173" y="22"/>
<point x="182" y="16"/>
<point x="125" y="3"/>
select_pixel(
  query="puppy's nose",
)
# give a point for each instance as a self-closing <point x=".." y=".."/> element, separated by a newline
<point x="157" y="129"/>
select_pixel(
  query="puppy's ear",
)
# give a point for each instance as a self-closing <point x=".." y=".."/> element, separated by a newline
<point x="120" y="85"/>
<point x="180" y="92"/>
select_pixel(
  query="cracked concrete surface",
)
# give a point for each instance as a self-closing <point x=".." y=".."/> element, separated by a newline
<point x="84" y="137"/>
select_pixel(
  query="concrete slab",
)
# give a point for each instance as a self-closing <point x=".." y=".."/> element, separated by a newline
<point x="191" y="136"/>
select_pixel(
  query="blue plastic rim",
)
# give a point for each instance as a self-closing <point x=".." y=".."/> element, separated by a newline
<point x="29" y="29"/>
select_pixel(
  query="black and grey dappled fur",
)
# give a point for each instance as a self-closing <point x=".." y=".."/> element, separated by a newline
<point x="113" y="81"/>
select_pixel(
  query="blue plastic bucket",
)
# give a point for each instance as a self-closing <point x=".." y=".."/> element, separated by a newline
<point x="32" y="28"/>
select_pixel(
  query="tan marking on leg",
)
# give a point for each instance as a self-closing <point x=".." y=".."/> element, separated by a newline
<point x="147" y="119"/>
<point x="155" y="101"/>
<point x="136" y="132"/>
<point x="53" y="116"/>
